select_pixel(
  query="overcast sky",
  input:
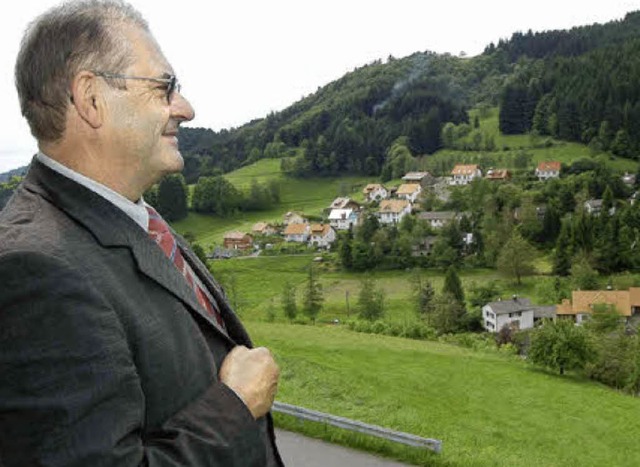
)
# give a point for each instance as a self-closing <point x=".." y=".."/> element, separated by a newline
<point x="240" y="59"/>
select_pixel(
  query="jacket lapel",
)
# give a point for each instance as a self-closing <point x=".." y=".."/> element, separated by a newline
<point x="235" y="329"/>
<point x="113" y="228"/>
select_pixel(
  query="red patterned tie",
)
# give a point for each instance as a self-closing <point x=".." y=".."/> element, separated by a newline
<point x="160" y="233"/>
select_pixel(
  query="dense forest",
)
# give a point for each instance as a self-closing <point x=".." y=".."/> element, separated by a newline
<point x="580" y="85"/>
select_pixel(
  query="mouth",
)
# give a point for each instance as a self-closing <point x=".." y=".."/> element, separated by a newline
<point x="172" y="138"/>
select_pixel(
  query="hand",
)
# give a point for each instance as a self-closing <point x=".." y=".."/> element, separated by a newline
<point x="253" y="375"/>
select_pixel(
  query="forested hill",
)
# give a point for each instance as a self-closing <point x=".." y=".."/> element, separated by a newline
<point x="571" y="43"/>
<point x="581" y="85"/>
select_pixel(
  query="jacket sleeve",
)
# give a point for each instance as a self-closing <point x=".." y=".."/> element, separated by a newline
<point x="70" y="394"/>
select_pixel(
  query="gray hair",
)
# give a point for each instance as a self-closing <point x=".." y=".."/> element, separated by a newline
<point x="75" y="36"/>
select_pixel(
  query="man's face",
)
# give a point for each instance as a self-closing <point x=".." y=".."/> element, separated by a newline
<point x="143" y="125"/>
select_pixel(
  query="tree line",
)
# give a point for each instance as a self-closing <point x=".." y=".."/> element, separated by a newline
<point x="211" y="195"/>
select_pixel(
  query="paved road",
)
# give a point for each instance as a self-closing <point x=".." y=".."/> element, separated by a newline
<point x="300" y="451"/>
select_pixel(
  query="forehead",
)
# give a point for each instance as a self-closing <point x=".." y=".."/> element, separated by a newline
<point x="146" y="53"/>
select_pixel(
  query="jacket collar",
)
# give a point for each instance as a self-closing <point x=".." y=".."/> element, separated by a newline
<point x="111" y="228"/>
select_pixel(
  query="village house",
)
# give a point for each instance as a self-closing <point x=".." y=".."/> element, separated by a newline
<point x="344" y="203"/>
<point x="409" y="191"/>
<point x="263" y="228"/>
<point x="375" y="192"/>
<point x="422" y="178"/>
<point x="547" y="170"/>
<point x="498" y="175"/>
<point x="517" y="313"/>
<point x="594" y="207"/>
<point x="392" y="211"/>
<point x="625" y="302"/>
<point x="464" y="174"/>
<point x="344" y="219"/>
<point x="293" y="217"/>
<point x="438" y="219"/>
<point x="322" y="235"/>
<point x="237" y="241"/>
<point x="297" y="233"/>
<point x="424" y="246"/>
<point x="629" y="179"/>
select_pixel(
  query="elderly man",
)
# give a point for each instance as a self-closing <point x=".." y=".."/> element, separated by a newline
<point x="117" y="347"/>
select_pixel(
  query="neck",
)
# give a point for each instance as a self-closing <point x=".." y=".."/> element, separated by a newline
<point x="97" y="166"/>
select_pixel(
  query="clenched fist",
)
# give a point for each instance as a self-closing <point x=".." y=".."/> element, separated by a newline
<point x="253" y="375"/>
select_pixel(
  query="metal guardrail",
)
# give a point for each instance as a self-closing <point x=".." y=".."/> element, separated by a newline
<point x="353" y="425"/>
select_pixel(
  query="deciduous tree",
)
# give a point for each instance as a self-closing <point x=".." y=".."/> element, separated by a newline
<point x="561" y="346"/>
<point x="516" y="258"/>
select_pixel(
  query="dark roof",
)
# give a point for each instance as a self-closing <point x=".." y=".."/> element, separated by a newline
<point x="433" y="215"/>
<point x="510" y="306"/>
<point x="544" y="311"/>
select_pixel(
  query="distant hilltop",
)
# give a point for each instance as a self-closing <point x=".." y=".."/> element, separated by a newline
<point x="20" y="171"/>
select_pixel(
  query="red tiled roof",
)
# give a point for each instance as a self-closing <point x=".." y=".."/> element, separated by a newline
<point x="462" y="169"/>
<point x="296" y="229"/>
<point x="393" y="205"/>
<point x="549" y="165"/>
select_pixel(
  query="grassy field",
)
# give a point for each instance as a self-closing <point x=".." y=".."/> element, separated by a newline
<point x="562" y="151"/>
<point x="309" y="196"/>
<point x="256" y="285"/>
<point x="488" y="409"/>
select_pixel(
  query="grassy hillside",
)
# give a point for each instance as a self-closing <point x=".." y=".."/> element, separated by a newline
<point x="563" y="151"/>
<point x="309" y="196"/>
<point x="487" y="409"/>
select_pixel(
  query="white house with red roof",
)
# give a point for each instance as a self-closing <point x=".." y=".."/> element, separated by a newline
<point x="409" y="191"/>
<point x="297" y="233"/>
<point x="463" y="174"/>
<point x="547" y="170"/>
<point x="392" y="211"/>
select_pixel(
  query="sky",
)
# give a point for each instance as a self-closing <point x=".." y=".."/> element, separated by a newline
<point x="238" y="60"/>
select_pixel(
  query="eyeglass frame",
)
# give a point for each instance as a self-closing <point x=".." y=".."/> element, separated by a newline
<point x="172" y="81"/>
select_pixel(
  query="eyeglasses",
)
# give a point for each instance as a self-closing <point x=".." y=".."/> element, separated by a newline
<point x="172" y="82"/>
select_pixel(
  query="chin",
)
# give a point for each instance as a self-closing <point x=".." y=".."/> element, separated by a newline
<point x="173" y="163"/>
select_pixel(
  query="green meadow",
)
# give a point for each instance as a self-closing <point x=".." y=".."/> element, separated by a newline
<point x="308" y="196"/>
<point x="563" y="151"/>
<point x="487" y="408"/>
<point x="255" y="285"/>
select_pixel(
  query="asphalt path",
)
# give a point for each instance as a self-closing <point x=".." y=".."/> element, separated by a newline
<point x="299" y="451"/>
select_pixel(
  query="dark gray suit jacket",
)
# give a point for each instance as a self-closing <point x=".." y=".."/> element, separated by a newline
<point x="106" y="357"/>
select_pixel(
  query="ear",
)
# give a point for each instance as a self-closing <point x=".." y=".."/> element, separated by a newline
<point x="86" y="96"/>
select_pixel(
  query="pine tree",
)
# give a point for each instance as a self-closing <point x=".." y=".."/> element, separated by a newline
<point x="449" y="315"/>
<point x="313" y="297"/>
<point x="370" y="300"/>
<point x="423" y="294"/>
<point x="452" y="285"/>
<point x="172" y="197"/>
<point x="289" y="306"/>
<point x="345" y="250"/>
<point x="564" y="251"/>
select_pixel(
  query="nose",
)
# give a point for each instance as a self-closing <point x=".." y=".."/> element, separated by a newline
<point x="181" y="109"/>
